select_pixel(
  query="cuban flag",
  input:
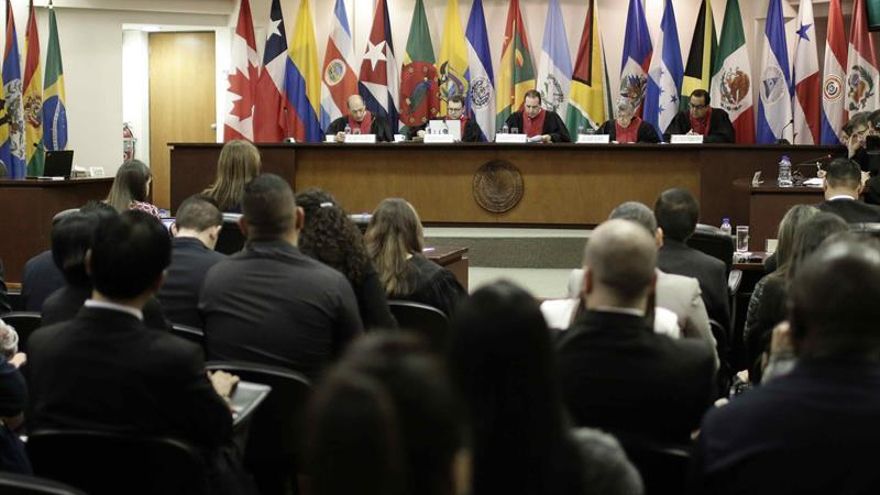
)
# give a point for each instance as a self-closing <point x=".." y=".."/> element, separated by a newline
<point x="665" y="75"/>
<point x="480" y="77"/>
<point x="338" y="79"/>
<point x="774" y="106"/>
<point x="637" y="50"/>
<point x="833" y="111"/>
<point x="380" y="80"/>
<point x="269" y="118"/>
<point x="805" y="105"/>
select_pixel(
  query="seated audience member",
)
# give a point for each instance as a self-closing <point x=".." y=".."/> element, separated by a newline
<point x="195" y="229"/>
<point x="103" y="370"/>
<point x="131" y="188"/>
<point x="789" y="224"/>
<point x="270" y="303"/>
<point x="395" y="243"/>
<point x="677" y="213"/>
<point x="701" y="119"/>
<point x="501" y="360"/>
<point x="40" y="279"/>
<point x="815" y="429"/>
<point x="767" y="306"/>
<point x="360" y="121"/>
<point x="385" y="421"/>
<point x="627" y="127"/>
<point x="614" y="369"/>
<point x="13" y="398"/>
<point x="332" y="238"/>
<point x="534" y="121"/>
<point x="71" y="241"/>
<point x="239" y="163"/>
<point x="470" y="130"/>
<point x="5" y="305"/>
<point x="843" y="185"/>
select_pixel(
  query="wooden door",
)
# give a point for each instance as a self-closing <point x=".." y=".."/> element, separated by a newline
<point x="182" y="100"/>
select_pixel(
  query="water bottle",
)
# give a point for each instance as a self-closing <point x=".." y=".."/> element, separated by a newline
<point x="581" y="130"/>
<point x="783" y="178"/>
<point x="725" y="226"/>
<point x="347" y="129"/>
<point x="505" y="129"/>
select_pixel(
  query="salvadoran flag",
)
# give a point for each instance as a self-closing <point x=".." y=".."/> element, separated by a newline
<point x="862" y="93"/>
<point x="380" y="78"/>
<point x="774" y="105"/>
<point x="338" y="80"/>
<point x="269" y="120"/>
<point x="637" y="51"/>
<point x="665" y="75"/>
<point x="833" y="87"/>
<point x="554" y="66"/>
<point x="805" y="105"/>
<point x="481" y="79"/>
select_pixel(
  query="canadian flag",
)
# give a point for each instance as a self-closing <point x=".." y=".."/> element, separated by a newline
<point x="239" y="122"/>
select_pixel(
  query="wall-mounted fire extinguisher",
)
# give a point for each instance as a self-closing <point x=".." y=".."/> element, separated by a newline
<point x="128" y="142"/>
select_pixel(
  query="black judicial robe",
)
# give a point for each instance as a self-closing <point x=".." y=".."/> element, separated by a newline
<point x="379" y="127"/>
<point x="720" y="128"/>
<point x="553" y="125"/>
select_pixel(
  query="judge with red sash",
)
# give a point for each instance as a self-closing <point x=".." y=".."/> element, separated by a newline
<point x="533" y="120"/>
<point x="628" y="127"/>
<point x="712" y="123"/>
<point x="470" y="131"/>
<point x="360" y="121"/>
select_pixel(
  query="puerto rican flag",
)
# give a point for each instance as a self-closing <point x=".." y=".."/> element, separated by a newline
<point x="269" y="118"/>
<point x="380" y="78"/>
<point x="338" y="79"/>
<point x="861" y="64"/>
<point x="805" y="104"/>
<point x="833" y="88"/>
<point x="239" y="122"/>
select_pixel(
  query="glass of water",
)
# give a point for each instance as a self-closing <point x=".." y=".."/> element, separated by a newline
<point x="742" y="238"/>
<point x="514" y="130"/>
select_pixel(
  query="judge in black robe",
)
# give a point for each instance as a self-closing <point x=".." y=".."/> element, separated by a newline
<point x="719" y="129"/>
<point x="357" y="113"/>
<point x="553" y="130"/>
<point x="646" y="133"/>
<point x="470" y="130"/>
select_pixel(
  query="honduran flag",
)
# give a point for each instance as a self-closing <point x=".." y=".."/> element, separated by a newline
<point x="269" y="120"/>
<point x="664" y="75"/>
<point x="805" y="105"/>
<point x="302" y="81"/>
<point x="379" y="78"/>
<point x="774" y="106"/>
<point x="480" y="76"/>
<point x="637" y="50"/>
<point x="833" y="88"/>
<point x="862" y="77"/>
<point x="239" y="121"/>
<point x="339" y="80"/>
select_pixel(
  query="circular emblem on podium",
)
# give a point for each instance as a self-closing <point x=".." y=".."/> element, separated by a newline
<point x="498" y="186"/>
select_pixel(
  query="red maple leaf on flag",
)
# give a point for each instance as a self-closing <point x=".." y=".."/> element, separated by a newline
<point x="241" y="85"/>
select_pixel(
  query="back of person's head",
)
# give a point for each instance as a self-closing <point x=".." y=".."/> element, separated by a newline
<point x="620" y="257"/>
<point x="501" y="360"/>
<point x="198" y="213"/>
<point x="833" y="301"/>
<point x="855" y="122"/>
<point x="129" y="185"/>
<point x="384" y="421"/>
<point x="72" y="238"/>
<point x="635" y="212"/>
<point x="129" y="253"/>
<point x="394" y="233"/>
<point x="812" y="233"/>
<point x="874" y="119"/>
<point x="677" y="213"/>
<point x="330" y="236"/>
<point x="268" y="208"/>
<point x="791" y="223"/>
<point x="239" y="163"/>
<point x="843" y="173"/>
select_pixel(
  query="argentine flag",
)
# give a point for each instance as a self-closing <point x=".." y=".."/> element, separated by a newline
<point x="774" y="105"/>
<point x="664" y="75"/>
<point x="481" y="80"/>
<point x="554" y="67"/>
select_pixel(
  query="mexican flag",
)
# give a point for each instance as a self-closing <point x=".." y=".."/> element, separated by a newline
<point x="732" y="85"/>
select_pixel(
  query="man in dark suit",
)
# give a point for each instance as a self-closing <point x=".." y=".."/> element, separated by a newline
<point x="470" y="131"/>
<point x="677" y="213"/>
<point x="700" y="118"/>
<point x="843" y="185"/>
<point x="196" y="229"/>
<point x="5" y="305"/>
<point x="616" y="373"/>
<point x="270" y="303"/>
<point x="534" y="121"/>
<point x="40" y="279"/>
<point x="813" y="430"/>
<point x="360" y="121"/>
<point x="105" y="370"/>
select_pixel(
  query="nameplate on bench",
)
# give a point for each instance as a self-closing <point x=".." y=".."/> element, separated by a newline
<point x="593" y="139"/>
<point x="360" y="138"/>
<point x="511" y="138"/>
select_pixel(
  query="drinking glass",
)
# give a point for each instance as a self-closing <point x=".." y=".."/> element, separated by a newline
<point x="742" y="238"/>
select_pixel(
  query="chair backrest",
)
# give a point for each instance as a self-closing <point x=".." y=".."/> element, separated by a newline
<point x="663" y="466"/>
<point x="16" y="484"/>
<point x="63" y="213"/>
<point x="866" y="229"/>
<point x="192" y="334"/>
<point x="362" y="220"/>
<point x="25" y="323"/>
<point x="714" y="242"/>
<point x="113" y="463"/>
<point x="427" y="321"/>
<point x="231" y="239"/>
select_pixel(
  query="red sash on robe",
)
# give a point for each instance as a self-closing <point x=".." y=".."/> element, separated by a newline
<point x="364" y="125"/>
<point x="534" y="126"/>
<point x="630" y="133"/>
<point x="701" y="126"/>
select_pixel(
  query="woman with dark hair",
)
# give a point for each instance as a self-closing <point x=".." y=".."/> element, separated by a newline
<point x="332" y="238"/>
<point x="131" y="187"/>
<point x="501" y="360"/>
<point x="239" y="163"/>
<point x="385" y="421"/>
<point x="395" y="242"/>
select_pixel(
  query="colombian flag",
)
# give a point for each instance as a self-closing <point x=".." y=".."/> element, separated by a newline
<point x="54" y="111"/>
<point x="302" y="80"/>
<point x="33" y="97"/>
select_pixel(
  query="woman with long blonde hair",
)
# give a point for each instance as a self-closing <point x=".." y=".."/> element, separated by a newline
<point x="395" y="241"/>
<point x="239" y="163"/>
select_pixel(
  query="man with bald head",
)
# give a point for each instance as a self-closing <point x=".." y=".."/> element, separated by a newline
<point x="616" y="373"/>
<point x="360" y="121"/>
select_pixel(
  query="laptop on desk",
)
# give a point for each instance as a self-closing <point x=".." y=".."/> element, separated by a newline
<point x="57" y="165"/>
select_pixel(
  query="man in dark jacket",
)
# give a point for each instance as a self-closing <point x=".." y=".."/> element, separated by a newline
<point x="360" y="121"/>
<point x="843" y="184"/>
<point x="470" y="131"/>
<point x="712" y="123"/>
<point x="534" y="121"/>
